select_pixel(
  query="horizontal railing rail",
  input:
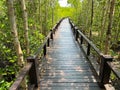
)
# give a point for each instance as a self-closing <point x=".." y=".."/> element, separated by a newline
<point x="114" y="70"/>
<point x="21" y="76"/>
<point x="31" y="68"/>
<point x="89" y="42"/>
<point x="105" y="61"/>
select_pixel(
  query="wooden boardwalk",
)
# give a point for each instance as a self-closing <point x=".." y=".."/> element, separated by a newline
<point x="67" y="68"/>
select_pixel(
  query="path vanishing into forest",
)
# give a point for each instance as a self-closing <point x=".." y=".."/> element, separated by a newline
<point x="67" y="67"/>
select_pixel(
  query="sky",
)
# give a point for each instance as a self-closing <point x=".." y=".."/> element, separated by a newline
<point x="63" y="3"/>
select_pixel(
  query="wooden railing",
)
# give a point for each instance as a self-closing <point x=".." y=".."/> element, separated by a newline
<point x="104" y="62"/>
<point x="31" y="68"/>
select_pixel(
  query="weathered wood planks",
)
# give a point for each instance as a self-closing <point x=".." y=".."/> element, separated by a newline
<point x="67" y="67"/>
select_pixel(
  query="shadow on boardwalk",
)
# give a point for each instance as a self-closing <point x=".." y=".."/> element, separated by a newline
<point x="67" y="67"/>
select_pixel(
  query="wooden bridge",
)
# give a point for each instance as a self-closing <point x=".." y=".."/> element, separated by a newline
<point x="64" y="62"/>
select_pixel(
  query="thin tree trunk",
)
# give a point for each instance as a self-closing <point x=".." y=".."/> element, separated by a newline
<point x="45" y="19"/>
<point x="14" y="32"/>
<point x="116" y="35"/>
<point x="87" y="18"/>
<point x="25" y="19"/>
<point x="52" y="16"/>
<point x="40" y="16"/>
<point x="104" y="22"/>
<point x="92" y="13"/>
<point x="108" y="33"/>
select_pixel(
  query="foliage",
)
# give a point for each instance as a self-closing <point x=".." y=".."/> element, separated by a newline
<point x="5" y="85"/>
<point x="100" y="22"/>
<point x="40" y="22"/>
<point x="36" y="40"/>
<point x="65" y="12"/>
<point x="42" y="15"/>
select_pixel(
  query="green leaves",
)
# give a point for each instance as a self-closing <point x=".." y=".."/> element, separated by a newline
<point x="5" y="85"/>
<point x="35" y="41"/>
<point x="42" y="15"/>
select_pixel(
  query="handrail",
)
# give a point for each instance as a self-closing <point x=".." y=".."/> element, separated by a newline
<point x="106" y="60"/>
<point x="113" y="70"/>
<point x="46" y="41"/>
<point x="31" y="69"/>
<point x="90" y="42"/>
<point x="41" y="47"/>
<point x="21" y="76"/>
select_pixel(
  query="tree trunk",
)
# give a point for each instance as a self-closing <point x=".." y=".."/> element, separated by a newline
<point x="40" y="16"/>
<point x="86" y="18"/>
<point x="104" y="23"/>
<point x="25" y="19"/>
<point x="108" y="33"/>
<point x="45" y="19"/>
<point x="52" y="16"/>
<point x="92" y="13"/>
<point x="14" y="32"/>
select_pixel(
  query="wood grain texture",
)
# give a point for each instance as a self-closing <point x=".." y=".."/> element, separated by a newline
<point x="67" y="68"/>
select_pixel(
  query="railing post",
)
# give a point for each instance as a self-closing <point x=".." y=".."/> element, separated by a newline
<point x="76" y="37"/>
<point x="105" y="70"/>
<point x="72" y="27"/>
<point x="74" y="30"/>
<point x="56" y="26"/>
<point x="54" y="30"/>
<point x="44" y="50"/>
<point x="51" y="36"/>
<point x="81" y="40"/>
<point x="48" y="42"/>
<point x="88" y="49"/>
<point x="33" y="73"/>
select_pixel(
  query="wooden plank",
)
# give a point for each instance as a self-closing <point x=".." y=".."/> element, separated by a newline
<point x="70" y="66"/>
<point x="63" y="80"/>
<point x="68" y="77"/>
<point x="67" y="67"/>
<point x="70" y="71"/>
<point x="66" y="62"/>
<point x="52" y="84"/>
<point x="70" y="88"/>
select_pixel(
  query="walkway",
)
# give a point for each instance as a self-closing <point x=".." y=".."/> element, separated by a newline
<point x="67" y="67"/>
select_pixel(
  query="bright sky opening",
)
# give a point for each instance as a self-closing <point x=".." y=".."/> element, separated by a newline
<point x="63" y="3"/>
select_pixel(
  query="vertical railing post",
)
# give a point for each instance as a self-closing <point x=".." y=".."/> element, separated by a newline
<point x="48" y="42"/>
<point x="56" y="27"/>
<point x="33" y="73"/>
<point x="81" y="40"/>
<point x="105" y="70"/>
<point x="44" y="49"/>
<point x="72" y="27"/>
<point x="51" y="36"/>
<point x="76" y="36"/>
<point x="74" y="30"/>
<point x="53" y="30"/>
<point x="58" y="24"/>
<point x="88" y="49"/>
